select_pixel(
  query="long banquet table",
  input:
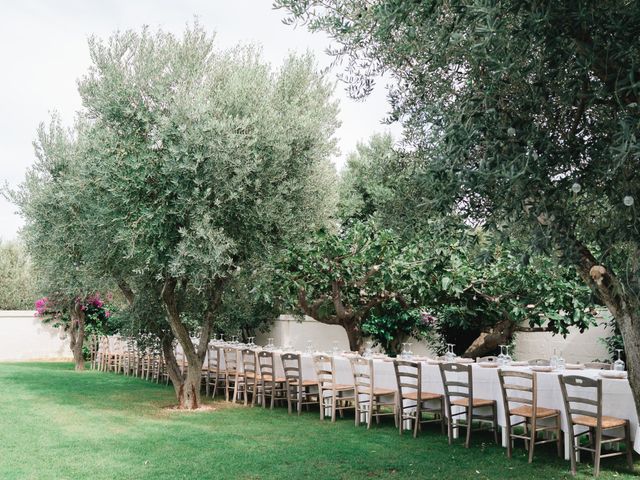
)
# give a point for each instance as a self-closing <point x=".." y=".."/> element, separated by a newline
<point x="617" y="397"/>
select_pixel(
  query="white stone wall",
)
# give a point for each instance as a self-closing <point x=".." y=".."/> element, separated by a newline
<point x="576" y="347"/>
<point x="24" y="337"/>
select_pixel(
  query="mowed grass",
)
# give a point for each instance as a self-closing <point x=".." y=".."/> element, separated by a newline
<point x="59" y="424"/>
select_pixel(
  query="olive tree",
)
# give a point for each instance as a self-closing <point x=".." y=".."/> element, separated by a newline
<point x="524" y="113"/>
<point x="205" y="160"/>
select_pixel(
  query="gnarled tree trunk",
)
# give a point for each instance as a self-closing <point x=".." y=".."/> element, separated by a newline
<point x="188" y="388"/>
<point x="76" y="335"/>
<point x="487" y="342"/>
<point x="625" y="309"/>
<point x="354" y="334"/>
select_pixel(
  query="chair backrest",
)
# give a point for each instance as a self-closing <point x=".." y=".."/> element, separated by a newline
<point x="519" y="388"/>
<point x="249" y="363"/>
<point x="265" y="363"/>
<point x="323" y="365"/>
<point x="362" y="369"/>
<point x="489" y="358"/>
<point x="540" y="362"/>
<point x="230" y="359"/>
<point x="582" y="396"/>
<point x="408" y="376"/>
<point x="292" y="365"/>
<point x="457" y="381"/>
<point x="213" y="358"/>
<point x="598" y="365"/>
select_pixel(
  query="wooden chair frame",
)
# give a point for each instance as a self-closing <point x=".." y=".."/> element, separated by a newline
<point x="272" y="386"/>
<point x="215" y="375"/>
<point x="409" y="381"/>
<point x="370" y="400"/>
<point x="232" y="375"/>
<point x="342" y="397"/>
<point x="298" y="390"/>
<point x="464" y="399"/>
<point x="598" y="424"/>
<point x="251" y="381"/>
<point x="598" y="365"/>
<point x="526" y="396"/>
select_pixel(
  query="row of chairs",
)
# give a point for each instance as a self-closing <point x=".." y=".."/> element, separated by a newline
<point x="409" y="404"/>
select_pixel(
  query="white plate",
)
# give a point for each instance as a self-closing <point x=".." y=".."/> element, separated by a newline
<point x="541" y="368"/>
<point x="613" y="374"/>
<point x="574" y="366"/>
<point x="519" y="364"/>
<point x="464" y="360"/>
<point x="488" y="364"/>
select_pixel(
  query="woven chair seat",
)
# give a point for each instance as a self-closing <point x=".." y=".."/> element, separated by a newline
<point x="607" y="422"/>
<point x="527" y="411"/>
<point x="423" y="396"/>
<point x="477" y="402"/>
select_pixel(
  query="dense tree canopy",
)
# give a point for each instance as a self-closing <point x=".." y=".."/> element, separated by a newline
<point x="522" y="113"/>
<point x="17" y="289"/>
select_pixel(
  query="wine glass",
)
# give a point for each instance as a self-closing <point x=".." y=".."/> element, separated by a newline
<point x="251" y="342"/>
<point x="553" y="361"/>
<point x="405" y="353"/>
<point x="618" y="365"/>
<point x="450" y="356"/>
<point x="368" y="351"/>
<point x="501" y="356"/>
<point x="507" y="358"/>
<point x="270" y="344"/>
<point x="560" y="362"/>
<point x="409" y="351"/>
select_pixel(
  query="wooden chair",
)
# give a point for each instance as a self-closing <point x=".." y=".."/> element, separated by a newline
<point x="369" y="399"/>
<point x="340" y="396"/>
<point x="215" y="374"/>
<point x="272" y="386"/>
<point x="251" y="382"/>
<point x="539" y="362"/>
<point x="299" y="391"/>
<point x="490" y="358"/>
<point x="232" y="375"/>
<point x="584" y="411"/>
<point x="598" y="365"/>
<point x="520" y="399"/>
<point x="412" y="400"/>
<point x="458" y="391"/>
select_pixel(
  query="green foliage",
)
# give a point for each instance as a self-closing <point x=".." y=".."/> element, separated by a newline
<point x="17" y="290"/>
<point x="391" y="323"/>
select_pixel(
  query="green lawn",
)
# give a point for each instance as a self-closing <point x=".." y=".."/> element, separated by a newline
<point x="59" y="424"/>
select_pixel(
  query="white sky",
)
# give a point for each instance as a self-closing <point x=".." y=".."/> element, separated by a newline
<point x="43" y="48"/>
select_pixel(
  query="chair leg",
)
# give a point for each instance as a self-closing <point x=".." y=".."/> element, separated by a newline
<point x="509" y="442"/>
<point x="449" y="426"/>
<point x="494" y="409"/>
<point x="467" y="441"/>
<point x="533" y="439"/>
<point x="416" y="425"/>
<point x="598" y="447"/>
<point x="333" y="407"/>
<point x="627" y="442"/>
<point x="560" y="442"/>
<point x="572" y="453"/>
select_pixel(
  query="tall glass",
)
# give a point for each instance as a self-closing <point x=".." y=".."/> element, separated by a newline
<point x="553" y="361"/>
<point x="507" y="357"/>
<point x="560" y="362"/>
<point x="405" y="353"/>
<point x="618" y="365"/>
<point x="368" y="352"/>
<point x="270" y="344"/>
<point x="501" y="356"/>
<point x="450" y="356"/>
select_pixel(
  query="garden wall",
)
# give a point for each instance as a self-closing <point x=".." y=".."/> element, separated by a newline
<point x="24" y="337"/>
<point x="576" y="347"/>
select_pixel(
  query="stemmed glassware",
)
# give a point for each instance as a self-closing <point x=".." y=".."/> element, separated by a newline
<point x="450" y="356"/>
<point x="618" y="365"/>
<point x="409" y="352"/>
<point x="560" y="362"/>
<point x="501" y="356"/>
<point x="251" y="343"/>
<point x="553" y="361"/>
<point x="405" y="353"/>
<point x="270" y="344"/>
<point x="507" y="358"/>
<point x="368" y="352"/>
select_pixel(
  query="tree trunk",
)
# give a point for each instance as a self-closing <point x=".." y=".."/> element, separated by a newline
<point x="76" y="334"/>
<point x="188" y="389"/>
<point x="624" y="308"/>
<point x="487" y="342"/>
<point x="354" y="334"/>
